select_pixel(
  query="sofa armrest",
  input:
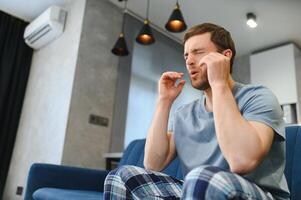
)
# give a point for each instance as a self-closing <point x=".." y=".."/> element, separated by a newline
<point x="58" y="176"/>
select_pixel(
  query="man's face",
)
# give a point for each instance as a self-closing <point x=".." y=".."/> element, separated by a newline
<point x="195" y="48"/>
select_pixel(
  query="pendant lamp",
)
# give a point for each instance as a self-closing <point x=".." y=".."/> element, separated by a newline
<point x="145" y="35"/>
<point x="120" y="48"/>
<point x="176" y="21"/>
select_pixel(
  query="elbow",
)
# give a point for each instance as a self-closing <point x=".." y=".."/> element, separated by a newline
<point x="147" y="165"/>
<point x="151" y="166"/>
<point x="243" y="165"/>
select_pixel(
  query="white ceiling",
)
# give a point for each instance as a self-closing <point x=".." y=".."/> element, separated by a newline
<point x="28" y="9"/>
<point x="278" y="20"/>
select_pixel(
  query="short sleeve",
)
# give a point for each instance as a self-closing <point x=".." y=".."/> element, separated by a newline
<point x="262" y="106"/>
<point x="170" y="123"/>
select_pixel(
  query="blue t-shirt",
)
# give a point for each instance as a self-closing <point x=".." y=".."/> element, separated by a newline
<point x="196" y="142"/>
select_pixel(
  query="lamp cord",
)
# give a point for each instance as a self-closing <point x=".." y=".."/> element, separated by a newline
<point x="123" y="17"/>
<point x="147" y="11"/>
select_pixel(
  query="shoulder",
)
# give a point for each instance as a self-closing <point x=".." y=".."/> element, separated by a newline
<point x="258" y="103"/>
<point x="252" y="89"/>
<point x="255" y="93"/>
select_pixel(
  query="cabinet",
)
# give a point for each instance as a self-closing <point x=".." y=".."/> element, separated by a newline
<point x="279" y="69"/>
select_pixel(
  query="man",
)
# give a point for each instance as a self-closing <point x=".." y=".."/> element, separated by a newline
<point x="230" y="141"/>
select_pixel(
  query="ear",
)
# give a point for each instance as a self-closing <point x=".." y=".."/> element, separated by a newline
<point x="227" y="53"/>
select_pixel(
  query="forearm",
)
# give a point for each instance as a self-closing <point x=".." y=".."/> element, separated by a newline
<point x="237" y="138"/>
<point x="157" y="141"/>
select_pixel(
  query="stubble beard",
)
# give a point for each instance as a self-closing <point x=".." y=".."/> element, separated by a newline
<point x="200" y="83"/>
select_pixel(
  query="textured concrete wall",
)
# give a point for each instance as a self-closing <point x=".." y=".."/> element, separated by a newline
<point x="94" y="87"/>
<point x="122" y="89"/>
<point x="241" y="69"/>
<point x="43" y="122"/>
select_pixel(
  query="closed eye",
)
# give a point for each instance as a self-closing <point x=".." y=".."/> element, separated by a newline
<point x="185" y="56"/>
<point x="195" y="52"/>
<point x="200" y="52"/>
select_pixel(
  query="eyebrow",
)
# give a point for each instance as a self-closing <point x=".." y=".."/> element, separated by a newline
<point x="194" y="50"/>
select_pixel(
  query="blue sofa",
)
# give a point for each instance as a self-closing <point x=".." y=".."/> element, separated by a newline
<point x="58" y="182"/>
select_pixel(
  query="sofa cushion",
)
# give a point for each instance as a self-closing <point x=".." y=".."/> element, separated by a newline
<point x="65" y="194"/>
<point x="133" y="154"/>
<point x="293" y="160"/>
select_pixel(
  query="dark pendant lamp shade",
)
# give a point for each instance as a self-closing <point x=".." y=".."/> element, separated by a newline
<point x="176" y="21"/>
<point x="120" y="48"/>
<point x="145" y="35"/>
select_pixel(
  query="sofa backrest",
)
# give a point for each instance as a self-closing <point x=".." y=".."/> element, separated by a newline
<point x="293" y="160"/>
<point x="134" y="154"/>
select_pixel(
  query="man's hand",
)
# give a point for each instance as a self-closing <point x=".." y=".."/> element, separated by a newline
<point x="218" y="68"/>
<point x="168" y="90"/>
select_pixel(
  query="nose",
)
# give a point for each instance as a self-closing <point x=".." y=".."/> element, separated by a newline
<point x="190" y="61"/>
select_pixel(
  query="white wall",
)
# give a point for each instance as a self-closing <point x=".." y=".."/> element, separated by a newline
<point x="297" y="54"/>
<point x="275" y="69"/>
<point x="43" y="122"/>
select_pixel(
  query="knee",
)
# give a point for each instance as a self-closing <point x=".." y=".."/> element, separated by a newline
<point x="205" y="181"/>
<point x="124" y="172"/>
<point x="122" y="169"/>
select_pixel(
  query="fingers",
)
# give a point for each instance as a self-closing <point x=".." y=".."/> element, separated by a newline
<point x="206" y="59"/>
<point x="181" y="84"/>
<point x="170" y="85"/>
<point x="172" y="75"/>
<point x="213" y="56"/>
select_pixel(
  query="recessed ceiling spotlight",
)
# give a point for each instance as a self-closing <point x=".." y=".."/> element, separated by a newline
<point x="251" y="20"/>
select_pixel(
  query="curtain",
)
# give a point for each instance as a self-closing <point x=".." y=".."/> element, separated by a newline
<point x="15" y="61"/>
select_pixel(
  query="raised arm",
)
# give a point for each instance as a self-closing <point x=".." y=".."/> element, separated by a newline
<point x="160" y="147"/>
<point x="243" y="143"/>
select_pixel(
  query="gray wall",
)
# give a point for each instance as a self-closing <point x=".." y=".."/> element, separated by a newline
<point x="122" y="90"/>
<point x="94" y="87"/>
<point x="241" y="69"/>
<point x="43" y="122"/>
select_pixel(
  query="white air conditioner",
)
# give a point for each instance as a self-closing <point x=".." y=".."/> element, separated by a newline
<point x="45" y="28"/>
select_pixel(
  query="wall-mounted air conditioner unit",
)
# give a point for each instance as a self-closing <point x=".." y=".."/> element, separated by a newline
<point x="45" y="28"/>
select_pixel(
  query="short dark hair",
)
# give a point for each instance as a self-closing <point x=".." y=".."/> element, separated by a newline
<point x="219" y="36"/>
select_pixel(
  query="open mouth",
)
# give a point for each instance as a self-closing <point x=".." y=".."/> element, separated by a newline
<point x="193" y="74"/>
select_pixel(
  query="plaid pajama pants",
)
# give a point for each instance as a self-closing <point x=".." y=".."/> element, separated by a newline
<point x="202" y="183"/>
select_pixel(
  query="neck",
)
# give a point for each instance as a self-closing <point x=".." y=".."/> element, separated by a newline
<point x="208" y="95"/>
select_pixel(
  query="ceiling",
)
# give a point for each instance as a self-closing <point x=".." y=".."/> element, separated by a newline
<point x="278" y="20"/>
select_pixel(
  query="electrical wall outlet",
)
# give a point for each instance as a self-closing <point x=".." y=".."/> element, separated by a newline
<point x="98" y="120"/>
<point x="19" y="190"/>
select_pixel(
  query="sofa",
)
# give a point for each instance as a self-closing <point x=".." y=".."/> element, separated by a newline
<point x="57" y="182"/>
